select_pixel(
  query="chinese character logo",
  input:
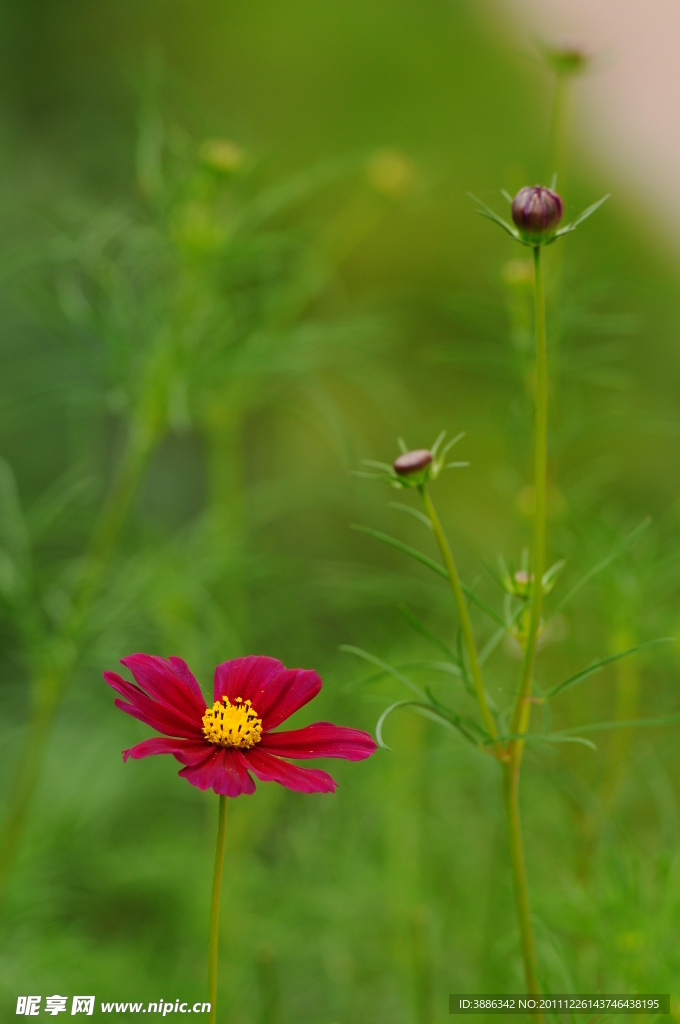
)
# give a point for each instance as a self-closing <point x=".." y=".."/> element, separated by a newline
<point x="83" y="1004"/>
<point x="29" y="1006"/>
<point x="55" y="1005"/>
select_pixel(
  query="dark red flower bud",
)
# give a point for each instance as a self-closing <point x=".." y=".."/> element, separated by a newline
<point x="568" y="58"/>
<point x="537" y="211"/>
<point x="412" y="462"/>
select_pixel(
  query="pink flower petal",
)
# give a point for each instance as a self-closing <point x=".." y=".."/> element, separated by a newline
<point x="268" y="768"/>
<point x="162" y="724"/>
<point x="187" y="676"/>
<point x="276" y="692"/>
<point x="245" y="677"/>
<point x="186" y="751"/>
<point x="173" y="684"/>
<point x="158" y="716"/>
<point x="222" y="772"/>
<point x="323" y="739"/>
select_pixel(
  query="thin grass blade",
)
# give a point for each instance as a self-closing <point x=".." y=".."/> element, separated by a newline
<point x="632" y="723"/>
<point x="405" y="548"/>
<point x="412" y="512"/>
<point x="598" y="665"/>
<point x="385" y="666"/>
<point x="431" y="564"/>
<point x="421" y="628"/>
<point x="602" y="564"/>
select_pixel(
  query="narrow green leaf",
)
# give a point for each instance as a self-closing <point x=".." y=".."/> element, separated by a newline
<point x="490" y="646"/>
<point x="421" y="628"/>
<point x="448" y="668"/>
<point x="633" y="723"/>
<point x="539" y="738"/>
<point x="553" y="572"/>
<point x="547" y="716"/>
<point x="383" y="718"/>
<point x="438" y="441"/>
<point x="602" y="564"/>
<point x="556" y="737"/>
<point x="385" y="666"/>
<point x="422" y="709"/>
<point x="431" y="564"/>
<point x="416" y="513"/>
<point x="495" y="575"/>
<point x="486" y="211"/>
<point x="405" y="548"/>
<point x="449" y="446"/>
<point x="293" y="190"/>
<point x="481" y="603"/>
<point x="444" y="667"/>
<point x="494" y="641"/>
<point x="372" y="476"/>
<point x="428" y="712"/>
<point x="462" y="722"/>
<point x="583" y="216"/>
<point x="598" y="665"/>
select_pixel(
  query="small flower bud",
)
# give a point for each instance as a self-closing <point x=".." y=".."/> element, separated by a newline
<point x="537" y="211"/>
<point x="413" y="462"/>
<point x="222" y="155"/>
<point x="523" y="581"/>
<point x="390" y="173"/>
<point x="567" y="58"/>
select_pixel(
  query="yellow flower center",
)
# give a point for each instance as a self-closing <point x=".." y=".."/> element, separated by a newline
<point x="232" y="725"/>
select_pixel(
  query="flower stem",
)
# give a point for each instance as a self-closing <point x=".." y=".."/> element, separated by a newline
<point x="215" y="910"/>
<point x="463" y="615"/>
<point x="522" y="709"/>
<point x="519" y="878"/>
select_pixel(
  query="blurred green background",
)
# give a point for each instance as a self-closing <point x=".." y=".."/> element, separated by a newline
<point x="243" y="336"/>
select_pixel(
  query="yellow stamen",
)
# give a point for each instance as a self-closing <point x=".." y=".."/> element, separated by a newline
<point x="232" y="725"/>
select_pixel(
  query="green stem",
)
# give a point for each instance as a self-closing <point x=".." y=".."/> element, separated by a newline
<point x="557" y="124"/>
<point x="522" y="709"/>
<point x="215" y="910"/>
<point x="463" y="614"/>
<point x="109" y="525"/>
<point x="519" y="878"/>
<point x="52" y="679"/>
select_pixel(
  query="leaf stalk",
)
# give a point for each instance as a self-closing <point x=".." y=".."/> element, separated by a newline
<point x="463" y="617"/>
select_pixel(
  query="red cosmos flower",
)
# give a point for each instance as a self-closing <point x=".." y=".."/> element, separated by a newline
<point x="221" y="745"/>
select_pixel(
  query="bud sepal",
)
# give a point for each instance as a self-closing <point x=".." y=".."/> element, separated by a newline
<point x="415" y="467"/>
<point x="533" y="232"/>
